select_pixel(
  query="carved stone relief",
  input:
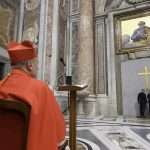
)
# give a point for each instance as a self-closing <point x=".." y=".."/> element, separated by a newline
<point x="31" y="33"/>
<point x="32" y="4"/>
<point x="74" y="6"/>
<point x="114" y="4"/>
<point x="5" y="18"/>
<point x="108" y="2"/>
<point x="7" y="22"/>
<point x="31" y="23"/>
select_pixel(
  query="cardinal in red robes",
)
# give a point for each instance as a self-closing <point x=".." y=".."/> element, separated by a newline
<point x="47" y="127"/>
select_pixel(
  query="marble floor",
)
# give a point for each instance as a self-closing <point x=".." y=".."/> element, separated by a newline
<point x="113" y="133"/>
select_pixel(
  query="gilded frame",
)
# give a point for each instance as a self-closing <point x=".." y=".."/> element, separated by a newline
<point x="127" y="29"/>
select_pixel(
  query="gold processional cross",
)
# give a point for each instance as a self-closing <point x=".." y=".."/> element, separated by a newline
<point x="145" y="74"/>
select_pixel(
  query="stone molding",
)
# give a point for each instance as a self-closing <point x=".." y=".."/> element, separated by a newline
<point x="136" y="1"/>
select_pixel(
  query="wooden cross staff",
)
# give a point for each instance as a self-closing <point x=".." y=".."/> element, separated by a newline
<point x="145" y="74"/>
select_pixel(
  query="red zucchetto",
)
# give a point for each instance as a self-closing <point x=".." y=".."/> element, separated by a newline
<point x="21" y="51"/>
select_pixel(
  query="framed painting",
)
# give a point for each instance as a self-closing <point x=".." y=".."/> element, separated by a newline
<point x="132" y="32"/>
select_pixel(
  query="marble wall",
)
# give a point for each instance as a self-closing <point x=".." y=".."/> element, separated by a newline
<point x="114" y="60"/>
<point x="108" y="65"/>
<point x="132" y="84"/>
<point x="106" y="96"/>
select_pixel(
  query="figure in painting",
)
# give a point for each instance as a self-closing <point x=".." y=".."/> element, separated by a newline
<point x="141" y="35"/>
<point x="126" y="43"/>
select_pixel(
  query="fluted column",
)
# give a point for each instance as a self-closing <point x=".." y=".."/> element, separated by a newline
<point x="86" y="48"/>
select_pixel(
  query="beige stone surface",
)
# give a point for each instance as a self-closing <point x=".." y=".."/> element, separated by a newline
<point x="86" y="48"/>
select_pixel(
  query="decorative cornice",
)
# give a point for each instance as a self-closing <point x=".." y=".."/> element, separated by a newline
<point x="136" y="1"/>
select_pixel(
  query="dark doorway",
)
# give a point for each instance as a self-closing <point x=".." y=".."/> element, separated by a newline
<point x="2" y="65"/>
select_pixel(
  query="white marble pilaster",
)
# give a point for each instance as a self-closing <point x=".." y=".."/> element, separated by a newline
<point x="21" y="18"/>
<point x="54" y="44"/>
<point x="42" y="38"/>
<point x="111" y="65"/>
